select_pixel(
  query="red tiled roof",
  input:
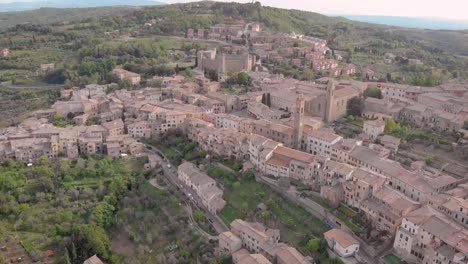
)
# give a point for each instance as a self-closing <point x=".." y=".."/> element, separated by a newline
<point x="48" y="253"/>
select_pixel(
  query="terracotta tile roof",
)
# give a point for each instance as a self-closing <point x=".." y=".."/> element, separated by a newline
<point x="294" y="154"/>
<point x="278" y="162"/>
<point x="341" y="237"/>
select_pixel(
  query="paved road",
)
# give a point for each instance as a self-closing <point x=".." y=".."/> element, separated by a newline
<point x="171" y="174"/>
<point x="193" y="222"/>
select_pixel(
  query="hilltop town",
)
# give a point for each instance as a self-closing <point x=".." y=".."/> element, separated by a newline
<point x="332" y="163"/>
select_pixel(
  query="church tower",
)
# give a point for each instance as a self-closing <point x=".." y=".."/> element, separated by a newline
<point x="330" y="96"/>
<point x="298" y="115"/>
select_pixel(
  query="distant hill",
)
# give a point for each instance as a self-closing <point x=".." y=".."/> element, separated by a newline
<point x="342" y="33"/>
<point x="23" y="6"/>
<point x="413" y="22"/>
<point x="59" y="15"/>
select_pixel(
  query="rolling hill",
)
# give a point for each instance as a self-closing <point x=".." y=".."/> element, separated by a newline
<point x="23" y="6"/>
<point x="58" y="15"/>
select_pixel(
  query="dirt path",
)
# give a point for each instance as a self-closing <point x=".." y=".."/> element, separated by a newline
<point x="154" y="183"/>
<point x="122" y="245"/>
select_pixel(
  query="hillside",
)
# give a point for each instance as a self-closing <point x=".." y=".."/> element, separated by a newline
<point x="59" y="15"/>
<point x="435" y="47"/>
<point x="442" y="53"/>
<point x="23" y="6"/>
<point x="206" y="13"/>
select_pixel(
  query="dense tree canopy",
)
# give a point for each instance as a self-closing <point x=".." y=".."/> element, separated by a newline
<point x="355" y="106"/>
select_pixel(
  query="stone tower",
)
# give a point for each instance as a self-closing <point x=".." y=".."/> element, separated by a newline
<point x="298" y="115"/>
<point x="330" y="96"/>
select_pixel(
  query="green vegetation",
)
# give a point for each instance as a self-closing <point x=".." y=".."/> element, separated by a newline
<point x="323" y="202"/>
<point x="54" y="205"/>
<point x="392" y="259"/>
<point x="60" y="121"/>
<point x="313" y="244"/>
<point x="318" y="248"/>
<point x="61" y="17"/>
<point x="243" y="194"/>
<point x="355" y="228"/>
<point x="411" y="134"/>
<point x="346" y="210"/>
<point x="152" y="227"/>
<point x="15" y="104"/>
<point x="355" y="120"/>
<point x="429" y="159"/>
<point x="392" y="127"/>
<point x="235" y="166"/>
<point x="355" y="106"/>
<point x="349" y="217"/>
<point x="177" y="147"/>
<point x="373" y="91"/>
<point x="238" y="83"/>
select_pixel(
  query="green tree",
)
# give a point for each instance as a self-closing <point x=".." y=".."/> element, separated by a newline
<point x="429" y="159"/>
<point x="313" y="245"/>
<point x="92" y="239"/>
<point x="355" y="106"/>
<point x="212" y="75"/>
<point x="332" y="261"/>
<point x="187" y="72"/>
<point x="58" y="117"/>
<point x="67" y="257"/>
<point x="391" y="126"/>
<point x="243" y="79"/>
<point x="373" y="91"/>
<point x="199" y="216"/>
<point x="73" y="251"/>
<point x="226" y="260"/>
<point x="265" y="215"/>
<point x="103" y="213"/>
<point x="308" y="74"/>
<point x="249" y="174"/>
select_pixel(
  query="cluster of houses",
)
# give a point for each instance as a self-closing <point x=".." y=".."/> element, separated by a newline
<point x="281" y="130"/>
<point x="254" y="243"/>
<point x="225" y="32"/>
<point x="267" y="48"/>
<point x="443" y="108"/>
<point x="203" y="185"/>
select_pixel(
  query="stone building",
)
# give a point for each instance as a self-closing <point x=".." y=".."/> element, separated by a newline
<point x="211" y="60"/>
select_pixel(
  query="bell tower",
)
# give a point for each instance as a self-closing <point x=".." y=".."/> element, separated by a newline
<point x="330" y="96"/>
<point x="298" y="115"/>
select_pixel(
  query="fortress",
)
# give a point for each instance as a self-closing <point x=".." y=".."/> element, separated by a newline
<point x="211" y="60"/>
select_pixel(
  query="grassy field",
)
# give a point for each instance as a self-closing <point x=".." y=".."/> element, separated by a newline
<point x="392" y="259"/>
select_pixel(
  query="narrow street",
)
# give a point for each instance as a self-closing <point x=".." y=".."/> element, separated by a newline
<point x="171" y="174"/>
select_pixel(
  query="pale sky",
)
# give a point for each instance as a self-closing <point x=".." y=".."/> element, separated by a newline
<point x="454" y="9"/>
